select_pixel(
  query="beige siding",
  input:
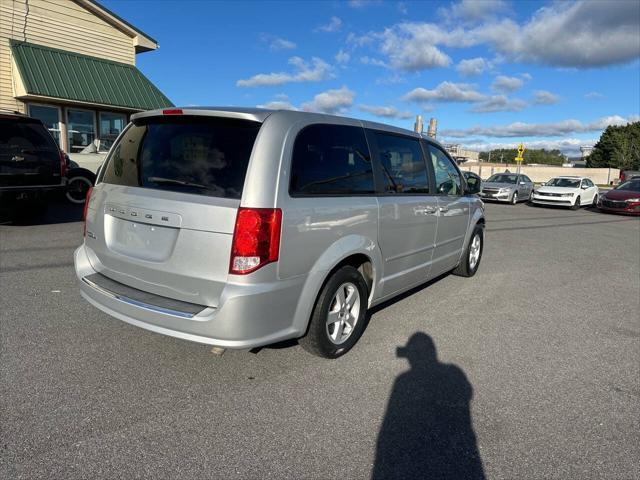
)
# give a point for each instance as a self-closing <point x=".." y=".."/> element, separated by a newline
<point x="59" y="24"/>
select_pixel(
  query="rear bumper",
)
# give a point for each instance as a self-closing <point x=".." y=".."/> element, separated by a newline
<point x="30" y="191"/>
<point x="247" y="316"/>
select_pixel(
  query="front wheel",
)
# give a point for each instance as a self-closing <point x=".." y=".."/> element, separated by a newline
<point x="338" y="318"/>
<point x="594" y="204"/>
<point x="514" y="199"/>
<point x="576" y="205"/>
<point x="472" y="255"/>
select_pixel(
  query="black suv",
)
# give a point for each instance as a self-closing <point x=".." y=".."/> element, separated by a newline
<point x="31" y="164"/>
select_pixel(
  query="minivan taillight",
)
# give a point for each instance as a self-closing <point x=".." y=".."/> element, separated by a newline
<point x="84" y="212"/>
<point x="256" y="239"/>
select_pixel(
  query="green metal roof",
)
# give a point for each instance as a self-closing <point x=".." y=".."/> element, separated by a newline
<point x="50" y="72"/>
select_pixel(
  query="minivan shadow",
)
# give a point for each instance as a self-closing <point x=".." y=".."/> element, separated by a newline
<point x="56" y="211"/>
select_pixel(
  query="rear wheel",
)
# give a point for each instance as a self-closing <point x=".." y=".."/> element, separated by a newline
<point x="514" y="199"/>
<point x="338" y="318"/>
<point x="77" y="189"/>
<point x="576" y="205"/>
<point x="472" y="255"/>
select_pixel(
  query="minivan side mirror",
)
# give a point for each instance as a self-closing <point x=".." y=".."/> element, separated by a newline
<point x="523" y="183"/>
<point x="473" y="184"/>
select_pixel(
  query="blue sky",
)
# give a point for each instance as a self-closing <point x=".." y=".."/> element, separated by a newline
<point x="493" y="72"/>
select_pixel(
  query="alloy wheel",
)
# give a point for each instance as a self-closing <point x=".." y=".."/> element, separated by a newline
<point x="474" y="251"/>
<point x="343" y="313"/>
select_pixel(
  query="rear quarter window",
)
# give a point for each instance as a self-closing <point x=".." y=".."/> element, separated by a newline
<point x="198" y="155"/>
<point x="331" y="160"/>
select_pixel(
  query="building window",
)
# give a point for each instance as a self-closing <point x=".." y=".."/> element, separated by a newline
<point x="111" y="124"/>
<point x="50" y="116"/>
<point x="81" y="129"/>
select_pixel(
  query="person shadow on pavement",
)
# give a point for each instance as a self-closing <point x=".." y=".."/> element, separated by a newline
<point x="427" y="431"/>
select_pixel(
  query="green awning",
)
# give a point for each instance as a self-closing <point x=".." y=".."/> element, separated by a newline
<point x="49" y="72"/>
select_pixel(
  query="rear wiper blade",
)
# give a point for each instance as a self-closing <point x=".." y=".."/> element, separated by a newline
<point x="173" y="181"/>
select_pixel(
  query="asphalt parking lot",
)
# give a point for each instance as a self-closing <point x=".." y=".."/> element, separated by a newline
<point x="531" y="369"/>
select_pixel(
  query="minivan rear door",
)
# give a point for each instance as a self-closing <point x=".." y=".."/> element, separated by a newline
<point x="165" y="206"/>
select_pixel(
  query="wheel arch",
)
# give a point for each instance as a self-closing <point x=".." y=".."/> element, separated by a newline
<point x="366" y="258"/>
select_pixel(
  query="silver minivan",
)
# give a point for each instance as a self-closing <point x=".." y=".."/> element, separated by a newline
<point x="245" y="227"/>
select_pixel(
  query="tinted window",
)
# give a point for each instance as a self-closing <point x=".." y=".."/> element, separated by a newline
<point x="632" y="185"/>
<point x="447" y="175"/>
<point x="526" y="179"/>
<point x="22" y="142"/>
<point x="207" y="156"/>
<point x="503" y="178"/>
<point x="331" y="160"/>
<point x="402" y="163"/>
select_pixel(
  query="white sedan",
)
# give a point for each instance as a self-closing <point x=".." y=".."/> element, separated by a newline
<point x="574" y="192"/>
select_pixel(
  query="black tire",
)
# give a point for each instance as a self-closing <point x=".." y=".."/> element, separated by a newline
<point x="77" y="188"/>
<point x="594" y="204"/>
<point x="464" y="269"/>
<point x="317" y="340"/>
<point x="576" y="206"/>
<point x="514" y="198"/>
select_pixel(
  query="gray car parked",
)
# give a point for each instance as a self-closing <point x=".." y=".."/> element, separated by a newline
<point x="507" y="187"/>
<point x="244" y="227"/>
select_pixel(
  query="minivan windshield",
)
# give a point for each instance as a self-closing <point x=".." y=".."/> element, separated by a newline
<point x="503" y="178"/>
<point x="564" y="182"/>
<point x="198" y="155"/>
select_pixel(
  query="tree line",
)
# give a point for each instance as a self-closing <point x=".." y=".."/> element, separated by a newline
<point x="541" y="156"/>
<point x="618" y="147"/>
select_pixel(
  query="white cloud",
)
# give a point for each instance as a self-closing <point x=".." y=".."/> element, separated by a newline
<point x="522" y="129"/>
<point x="373" y="61"/>
<point x="474" y="10"/>
<point x="281" y="102"/>
<point x="504" y="84"/>
<point x="342" y="57"/>
<point x="277" y="43"/>
<point x="594" y="96"/>
<point x="543" y="97"/>
<point x="363" y="3"/>
<point x="581" y="34"/>
<point x="499" y="103"/>
<point x="473" y="66"/>
<point x="318" y="70"/>
<point x="445" y="92"/>
<point x="386" y="112"/>
<point x="412" y="46"/>
<point x="335" y="24"/>
<point x="332" y="101"/>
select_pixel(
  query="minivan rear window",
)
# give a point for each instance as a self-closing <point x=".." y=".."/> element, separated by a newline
<point x="198" y="155"/>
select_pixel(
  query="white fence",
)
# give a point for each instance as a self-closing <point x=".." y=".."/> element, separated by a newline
<point x="540" y="173"/>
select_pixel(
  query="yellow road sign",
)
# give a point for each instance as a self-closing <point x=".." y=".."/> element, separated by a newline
<point x="520" y="151"/>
